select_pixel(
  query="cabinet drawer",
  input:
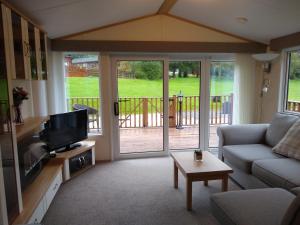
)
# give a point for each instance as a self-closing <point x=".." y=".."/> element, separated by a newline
<point x="38" y="214"/>
<point x="53" y="189"/>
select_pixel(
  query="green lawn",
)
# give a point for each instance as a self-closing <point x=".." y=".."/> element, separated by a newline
<point x="89" y="87"/>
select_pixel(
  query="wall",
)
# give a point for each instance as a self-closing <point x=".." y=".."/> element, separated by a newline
<point x="153" y="28"/>
<point x="157" y="28"/>
<point x="269" y="103"/>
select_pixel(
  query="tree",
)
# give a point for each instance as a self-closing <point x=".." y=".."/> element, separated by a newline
<point x="151" y="70"/>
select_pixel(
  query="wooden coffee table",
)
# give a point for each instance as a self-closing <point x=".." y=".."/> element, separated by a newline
<point x="210" y="168"/>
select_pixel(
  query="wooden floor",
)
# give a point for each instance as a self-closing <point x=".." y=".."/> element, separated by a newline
<point x="137" y="140"/>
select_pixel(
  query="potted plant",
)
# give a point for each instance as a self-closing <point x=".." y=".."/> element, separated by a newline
<point x="198" y="155"/>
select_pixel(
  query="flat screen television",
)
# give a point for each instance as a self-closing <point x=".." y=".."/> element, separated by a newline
<point x="63" y="130"/>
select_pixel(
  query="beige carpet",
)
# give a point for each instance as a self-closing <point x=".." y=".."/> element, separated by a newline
<point x="131" y="192"/>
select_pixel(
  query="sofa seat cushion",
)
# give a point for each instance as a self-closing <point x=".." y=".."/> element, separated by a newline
<point x="251" y="207"/>
<point x="242" y="156"/>
<point x="284" y="173"/>
<point x="280" y="124"/>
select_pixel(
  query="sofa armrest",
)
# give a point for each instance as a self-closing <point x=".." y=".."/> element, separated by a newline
<point x="296" y="190"/>
<point x="241" y="134"/>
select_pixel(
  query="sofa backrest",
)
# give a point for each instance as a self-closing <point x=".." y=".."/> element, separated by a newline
<point x="280" y="124"/>
<point x="292" y="215"/>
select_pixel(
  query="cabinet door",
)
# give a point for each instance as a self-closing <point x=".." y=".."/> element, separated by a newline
<point x="6" y="138"/>
<point x="18" y="46"/>
<point x="43" y="45"/>
<point x="32" y="52"/>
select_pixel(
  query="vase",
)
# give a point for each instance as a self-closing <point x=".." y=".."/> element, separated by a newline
<point x="18" y="115"/>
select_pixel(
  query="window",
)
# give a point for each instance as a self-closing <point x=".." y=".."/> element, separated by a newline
<point x="82" y="84"/>
<point x="293" y="82"/>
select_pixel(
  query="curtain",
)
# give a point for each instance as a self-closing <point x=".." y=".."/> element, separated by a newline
<point x="244" y="109"/>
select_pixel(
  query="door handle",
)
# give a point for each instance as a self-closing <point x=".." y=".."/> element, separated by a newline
<point x="116" y="108"/>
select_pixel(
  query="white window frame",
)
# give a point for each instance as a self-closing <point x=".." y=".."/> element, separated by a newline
<point x="284" y="81"/>
<point x="100" y="109"/>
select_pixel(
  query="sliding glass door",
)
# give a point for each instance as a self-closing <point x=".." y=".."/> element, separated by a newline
<point x="140" y="105"/>
<point x="184" y="104"/>
<point x="162" y="104"/>
<point x="221" y="97"/>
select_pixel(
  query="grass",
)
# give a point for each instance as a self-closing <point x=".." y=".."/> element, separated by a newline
<point x="294" y="90"/>
<point x="89" y="87"/>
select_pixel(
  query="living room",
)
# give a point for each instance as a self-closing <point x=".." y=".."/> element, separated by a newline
<point x="149" y="112"/>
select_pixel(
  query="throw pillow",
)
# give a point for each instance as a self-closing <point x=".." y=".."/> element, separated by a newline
<point x="290" y="144"/>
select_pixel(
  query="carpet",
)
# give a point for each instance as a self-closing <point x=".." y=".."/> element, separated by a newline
<point x="131" y="192"/>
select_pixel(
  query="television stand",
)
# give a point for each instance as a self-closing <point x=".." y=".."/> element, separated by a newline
<point x="78" y="160"/>
<point x="69" y="147"/>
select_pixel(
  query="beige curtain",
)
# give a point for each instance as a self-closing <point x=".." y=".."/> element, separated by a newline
<point x="244" y="89"/>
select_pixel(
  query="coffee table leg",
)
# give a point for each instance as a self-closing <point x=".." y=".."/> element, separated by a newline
<point x="206" y="183"/>
<point x="189" y="192"/>
<point x="225" y="183"/>
<point x="175" y="176"/>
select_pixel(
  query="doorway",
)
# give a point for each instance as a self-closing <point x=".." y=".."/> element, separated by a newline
<point x="164" y="104"/>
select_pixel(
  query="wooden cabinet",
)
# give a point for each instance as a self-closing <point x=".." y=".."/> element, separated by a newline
<point x="27" y="48"/>
<point x="45" y="202"/>
<point x="7" y="139"/>
<point x="38" y="196"/>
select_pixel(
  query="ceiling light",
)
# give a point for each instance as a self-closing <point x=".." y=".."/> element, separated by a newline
<point x="266" y="59"/>
<point x="242" y="20"/>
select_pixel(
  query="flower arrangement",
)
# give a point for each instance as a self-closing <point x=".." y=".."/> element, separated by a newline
<point x="19" y="95"/>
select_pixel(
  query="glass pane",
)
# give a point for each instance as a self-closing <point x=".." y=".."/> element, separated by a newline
<point x="221" y="97"/>
<point x="82" y="86"/>
<point x="184" y="100"/>
<point x="140" y="90"/>
<point x="32" y="52"/>
<point x="18" y="45"/>
<point x="43" y="55"/>
<point x="293" y="99"/>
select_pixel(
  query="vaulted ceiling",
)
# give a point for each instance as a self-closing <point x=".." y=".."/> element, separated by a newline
<point x="265" y="19"/>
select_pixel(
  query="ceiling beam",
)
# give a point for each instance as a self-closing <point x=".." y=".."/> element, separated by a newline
<point x="283" y="42"/>
<point x="157" y="46"/>
<point x="166" y="6"/>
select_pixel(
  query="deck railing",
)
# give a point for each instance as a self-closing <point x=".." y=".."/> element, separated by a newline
<point x="148" y="111"/>
<point x="293" y="106"/>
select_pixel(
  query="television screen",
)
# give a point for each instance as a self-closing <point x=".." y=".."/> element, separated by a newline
<point x="63" y="130"/>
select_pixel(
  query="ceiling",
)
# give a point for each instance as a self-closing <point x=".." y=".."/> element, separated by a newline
<point x="267" y="19"/>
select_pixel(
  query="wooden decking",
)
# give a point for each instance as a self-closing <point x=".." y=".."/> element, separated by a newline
<point x="138" y="140"/>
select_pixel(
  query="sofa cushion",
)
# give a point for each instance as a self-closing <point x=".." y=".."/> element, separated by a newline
<point x="242" y="156"/>
<point x="284" y="173"/>
<point x="251" y="207"/>
<point x="280" y="124"/>
<point x="292" y="215"/>
<point x="290" y="144"/>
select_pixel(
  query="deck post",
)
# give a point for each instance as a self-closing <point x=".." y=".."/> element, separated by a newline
<point x="172" y="111"/>
<point x="145" y="112"/>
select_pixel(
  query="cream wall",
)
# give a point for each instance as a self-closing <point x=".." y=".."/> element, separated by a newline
<point x="157" y="28"/>
<point x="269" y="103"/>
